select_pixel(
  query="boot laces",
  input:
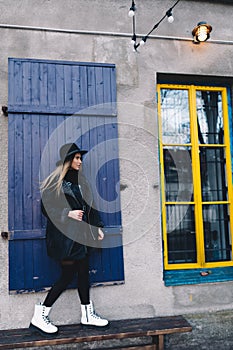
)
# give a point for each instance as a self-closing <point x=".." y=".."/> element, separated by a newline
<point x="94" y="314"/>
<point x="46" y="319"/>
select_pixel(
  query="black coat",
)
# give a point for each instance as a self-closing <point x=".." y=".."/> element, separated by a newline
<point x="67" y="238"/>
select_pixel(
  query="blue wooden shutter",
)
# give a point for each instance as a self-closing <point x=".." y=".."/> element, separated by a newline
<point x="51" y="103"/>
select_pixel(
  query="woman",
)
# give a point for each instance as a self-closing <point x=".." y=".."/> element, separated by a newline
<point x="73" y="224"/>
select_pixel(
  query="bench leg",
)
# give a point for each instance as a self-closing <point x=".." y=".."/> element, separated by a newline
<point x="158" y="342"/>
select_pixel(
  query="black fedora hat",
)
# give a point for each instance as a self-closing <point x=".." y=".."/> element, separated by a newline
<point x="68" y="150"/>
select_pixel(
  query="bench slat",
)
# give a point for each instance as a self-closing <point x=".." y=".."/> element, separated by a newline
<point x="133" y="347"/>
<point x="76" y="333"/>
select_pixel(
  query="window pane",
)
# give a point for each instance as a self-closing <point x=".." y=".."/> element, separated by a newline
<point x="217" y="233"/>
<point x="209" y="117"/>
<point x="213" y="177"/>
<point x="181" y="234"/>
<point x="178" y="174"/>
<point x="175" y="116"/>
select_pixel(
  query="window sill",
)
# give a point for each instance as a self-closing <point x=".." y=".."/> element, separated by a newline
<point x="198" y="276"/>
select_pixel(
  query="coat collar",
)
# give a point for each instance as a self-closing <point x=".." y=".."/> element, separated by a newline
<point x="66" y="188"/>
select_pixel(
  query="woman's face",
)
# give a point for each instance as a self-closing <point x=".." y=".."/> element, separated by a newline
<point x="76" y="162"/>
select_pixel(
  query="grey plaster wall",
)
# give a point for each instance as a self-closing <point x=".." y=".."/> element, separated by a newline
<point x="143" y="293"/>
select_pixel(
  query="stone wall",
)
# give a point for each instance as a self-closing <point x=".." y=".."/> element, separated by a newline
<point x="143" y="293"/>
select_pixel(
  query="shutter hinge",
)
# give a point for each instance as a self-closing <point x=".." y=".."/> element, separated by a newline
<point x="5" y="235"/>
<point x="5" y="111"/>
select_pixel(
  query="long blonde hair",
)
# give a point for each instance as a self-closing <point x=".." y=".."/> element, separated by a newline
<point x="54" y="180"/>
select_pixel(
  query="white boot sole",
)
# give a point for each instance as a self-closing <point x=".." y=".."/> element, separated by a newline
<point x="95" y="326"/>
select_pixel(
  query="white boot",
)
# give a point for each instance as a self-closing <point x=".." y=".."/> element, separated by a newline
<point x="90" y="318"/>
<point x="40" y="320"/>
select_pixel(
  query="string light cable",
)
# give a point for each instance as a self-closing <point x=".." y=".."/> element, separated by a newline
<point x="132" y="12"/>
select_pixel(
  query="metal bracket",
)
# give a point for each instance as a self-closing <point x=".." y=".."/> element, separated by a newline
<point x="5" y="235"/>
<point x="5" y="111"/>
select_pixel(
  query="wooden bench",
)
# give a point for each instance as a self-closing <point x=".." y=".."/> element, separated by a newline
<point x="154" y="328"/>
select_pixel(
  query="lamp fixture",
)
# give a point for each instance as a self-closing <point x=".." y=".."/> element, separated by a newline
<point x="201" y="32"/>
<point x="132" y="9"/>
<point x="170" y="18"/>
<point x="142" y="42"/>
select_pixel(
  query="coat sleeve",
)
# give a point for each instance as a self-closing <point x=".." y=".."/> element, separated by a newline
<point x="94" y="218"/>
<point x="53" y="207"/>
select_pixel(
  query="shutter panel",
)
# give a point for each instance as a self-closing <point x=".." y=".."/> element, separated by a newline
<point x="51" y="103"/>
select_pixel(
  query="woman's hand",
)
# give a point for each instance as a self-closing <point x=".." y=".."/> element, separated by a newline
<point x="76" y="214"/>
<point x="100" y="234"/>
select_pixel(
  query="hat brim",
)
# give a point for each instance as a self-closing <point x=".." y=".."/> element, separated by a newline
<point x="74" y="152"/>
<point x="60" y="162"/>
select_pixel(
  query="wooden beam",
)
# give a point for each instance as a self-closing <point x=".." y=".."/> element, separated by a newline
<point x="155" y="327"/>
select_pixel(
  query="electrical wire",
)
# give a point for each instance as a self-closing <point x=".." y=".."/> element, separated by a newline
<point x="144" y="38"/>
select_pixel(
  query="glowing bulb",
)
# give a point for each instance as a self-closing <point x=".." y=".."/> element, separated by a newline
<point x="170" y="19"/>
<point x="202" y="33"/>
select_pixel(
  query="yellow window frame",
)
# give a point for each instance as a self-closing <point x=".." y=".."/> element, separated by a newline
<point x="196" y="176"/>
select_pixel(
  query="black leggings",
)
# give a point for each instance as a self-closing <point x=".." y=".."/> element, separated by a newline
<point x="69" y="270"/>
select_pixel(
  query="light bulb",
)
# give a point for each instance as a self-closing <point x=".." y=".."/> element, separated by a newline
<point x="202" y="33"/>
<point x="142" y="42"/>
<point x="170" y="19"/>
<point x="131" y="13"/>
<point x="133" y="40"/>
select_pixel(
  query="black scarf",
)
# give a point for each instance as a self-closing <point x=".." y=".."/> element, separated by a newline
<point x="72" y="176"/>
